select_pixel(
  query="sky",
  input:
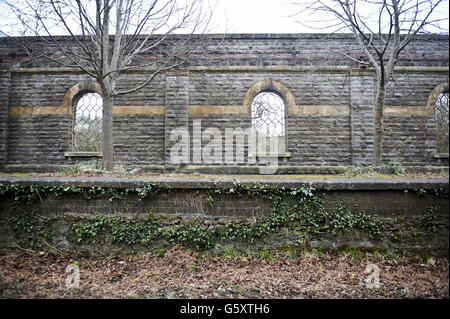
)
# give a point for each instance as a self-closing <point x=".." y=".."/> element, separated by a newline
<point x="277" y="16"/>
<point x="236" y="16"/>
<point x="249" y="16"/>
<point x="257" y="16"/>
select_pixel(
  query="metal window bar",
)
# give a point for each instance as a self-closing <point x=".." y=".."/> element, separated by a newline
<point x="87" y="126"/>
<point x="441" y="113"/>
<point x="268" y="114"/>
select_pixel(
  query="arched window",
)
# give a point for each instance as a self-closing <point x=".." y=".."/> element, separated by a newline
<point x="87" y="123"/>
<point x="268" y="102"/>
<point x="438" y="102"/>
<point x="84" y="103"/>
<point x="268" y="114"/>
<point x="441" y="115"/>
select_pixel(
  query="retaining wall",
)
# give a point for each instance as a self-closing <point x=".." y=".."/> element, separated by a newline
<point x="410" y="215"/>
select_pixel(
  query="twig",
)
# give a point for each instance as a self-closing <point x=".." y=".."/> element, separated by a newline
<point x="30" y="251"/>
<point x="51" y="246"/>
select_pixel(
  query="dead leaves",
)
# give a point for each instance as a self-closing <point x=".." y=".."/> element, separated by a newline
<point x="180" y="274"/>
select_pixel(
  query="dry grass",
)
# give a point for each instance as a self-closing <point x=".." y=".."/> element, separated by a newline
<point x="181" y="274"/>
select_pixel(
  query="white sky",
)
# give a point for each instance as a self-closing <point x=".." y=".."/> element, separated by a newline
<point x="248" y="16"/>
<point x="276" y="16"/>
<point x="257" y="16"/>
<point x="234" y="16"/>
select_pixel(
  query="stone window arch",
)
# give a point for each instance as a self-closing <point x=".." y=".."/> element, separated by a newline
<point x="268" y="103"/>
<point x="84" y="103"/>
<point x="438" y="100"/>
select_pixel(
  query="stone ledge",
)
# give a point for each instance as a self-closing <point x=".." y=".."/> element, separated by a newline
<point x="276" y="155"/>
<point x="274" y="182"/>
<point x="441" y="155"/>
<point x="242" y="68"/>
<point x="82" y="154"/>
<point x="33" y="168"/>
<point x="219" y="169"/>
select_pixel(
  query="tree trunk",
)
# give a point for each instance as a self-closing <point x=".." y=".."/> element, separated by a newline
<point x="107" y="133"/>
<point x="378" y="123"/>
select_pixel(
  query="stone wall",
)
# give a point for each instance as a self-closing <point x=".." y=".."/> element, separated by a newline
<point x="232" y="198"/>
<point x="330" y="121"/>
<point x="387" y="214"/>
<point x="5" y="83"/>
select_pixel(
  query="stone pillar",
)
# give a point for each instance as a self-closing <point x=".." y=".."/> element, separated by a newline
<point x="176" y="110"/>
<point x="5" y="84"/>
<point x="362" y="97"/>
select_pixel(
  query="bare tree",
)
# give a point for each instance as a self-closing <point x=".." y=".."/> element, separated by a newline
<point x="105" y="38"/>
<point x="382" y="29"/>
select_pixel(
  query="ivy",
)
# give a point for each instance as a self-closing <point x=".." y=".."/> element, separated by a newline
<point x="31" y="229"/>
<point x="95" y="230"/>
<point x="233" y="230"/>
<point x="149" y="189"/>
<point x="141" y="231"/>
<point x="32" y="194"/>
<point x="191" y="236"/>
<point x="438" y="192"/>
<point x="301" y="209"/>
<point x="430" y="220"/>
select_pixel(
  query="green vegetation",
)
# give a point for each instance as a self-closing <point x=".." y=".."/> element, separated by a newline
<point x="31" y="229"/>
<point x="191" y="236"/>
<point x="299" y="211"/>
<point x="32" y="194"/>
<point x="120" y="229"/>
<point x="430" y="219"/>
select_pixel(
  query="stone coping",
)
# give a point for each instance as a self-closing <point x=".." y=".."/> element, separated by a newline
<point x="274" y="181"/>
<point x="220" y="36"/>
<point x="224" y="170"/>
<point x="241" y="68"/>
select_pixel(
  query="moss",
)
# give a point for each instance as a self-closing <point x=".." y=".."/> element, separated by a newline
<point x="30" y="229"/>
<point x="3" y="174"/>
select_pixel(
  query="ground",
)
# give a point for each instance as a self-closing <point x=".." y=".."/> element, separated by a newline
<point x="180" y="273"/>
